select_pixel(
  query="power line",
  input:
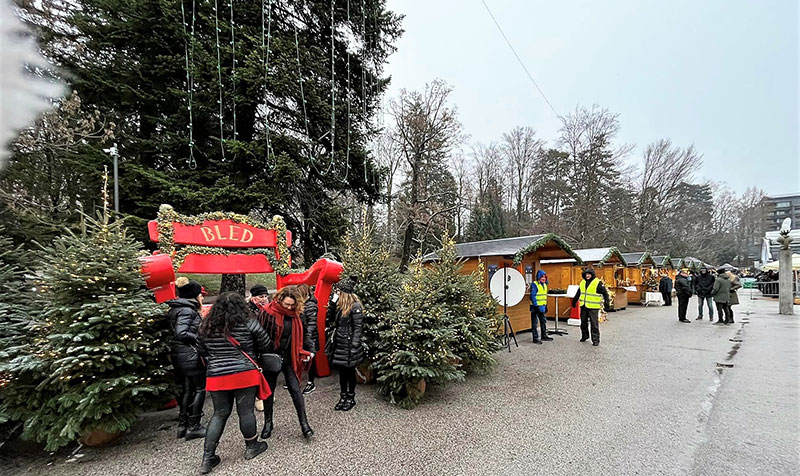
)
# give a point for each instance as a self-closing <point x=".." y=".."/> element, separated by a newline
<point x="520" y="59"/>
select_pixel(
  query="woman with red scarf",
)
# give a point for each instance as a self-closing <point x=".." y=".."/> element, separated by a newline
<point x="281" y="319"/>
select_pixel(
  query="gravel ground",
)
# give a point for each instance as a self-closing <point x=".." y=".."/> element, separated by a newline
<point x="650" y="400"/>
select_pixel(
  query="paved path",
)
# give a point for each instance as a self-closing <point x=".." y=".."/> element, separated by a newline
<point x="650" y="400"/>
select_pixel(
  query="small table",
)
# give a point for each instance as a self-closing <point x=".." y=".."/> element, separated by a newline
<point x="653" y="298"/>
<point x="556" y="330"/>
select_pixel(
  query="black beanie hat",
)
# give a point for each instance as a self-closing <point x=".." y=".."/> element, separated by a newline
<point x="190" y="290"/>
<point x="347" y="285"/>
<point x="259" y="290"/>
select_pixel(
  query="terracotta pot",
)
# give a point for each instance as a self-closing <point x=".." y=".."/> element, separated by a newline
<point x="99" y="437"/>
<point x="365" y="374"/>
<point x="455" y="361"/>
<point x="416" y="391"/>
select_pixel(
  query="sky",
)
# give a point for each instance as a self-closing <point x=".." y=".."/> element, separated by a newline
<point x="719" y="74"/>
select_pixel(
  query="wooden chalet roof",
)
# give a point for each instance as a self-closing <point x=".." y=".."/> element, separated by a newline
<point x="549" y="245"/>
<point x="663" y="261"/>
<point x="638" y="258"/>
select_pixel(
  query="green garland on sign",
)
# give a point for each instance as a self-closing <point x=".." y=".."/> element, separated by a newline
<point x="541" y="242"/>
<point x="166" y="237"/>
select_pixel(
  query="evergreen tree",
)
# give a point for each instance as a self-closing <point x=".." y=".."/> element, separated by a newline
<point x="486" y="221"/>
<point x="472" y="312"/>
<point x="378" y="283"/>
<point x="416" y="341"/>
<point x="228" y="106"/>
<point x="100" y="356"/>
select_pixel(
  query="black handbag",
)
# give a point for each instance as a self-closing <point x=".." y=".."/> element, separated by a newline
<point x="271" y="363"/>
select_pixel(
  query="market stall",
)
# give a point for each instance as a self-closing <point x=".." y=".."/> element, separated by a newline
<point x="664" y="266"/>
<point x="608" y="264"/>
<point x="525" y="254"/>
<point x="639" y="275"/>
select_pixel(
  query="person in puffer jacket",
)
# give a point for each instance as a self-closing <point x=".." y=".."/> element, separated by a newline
<point x="231" y="341"/>
<point x="190" y="371"/>
<point x="345" y="316"/>
<point x="309" y="310"/>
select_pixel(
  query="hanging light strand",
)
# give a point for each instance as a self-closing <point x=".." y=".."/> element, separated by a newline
<point x="333" y="91"/>
<point x="364" y="74"/>
<point x="347" y="92"/>
<point x="189" y="79"/>
<point x="233" y="69"/>
<point x="219" y="79"/>
<point x="265" y="47"/>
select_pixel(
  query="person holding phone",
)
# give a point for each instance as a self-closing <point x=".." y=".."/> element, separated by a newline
<point x="292" y="342"/>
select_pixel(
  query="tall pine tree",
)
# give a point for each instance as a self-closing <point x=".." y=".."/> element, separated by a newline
<point x="238" y="106"/>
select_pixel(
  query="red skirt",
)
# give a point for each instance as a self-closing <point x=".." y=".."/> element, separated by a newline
<point x="250" y="378"/>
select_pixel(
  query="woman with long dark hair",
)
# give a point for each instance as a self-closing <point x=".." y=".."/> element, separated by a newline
<point x="231" y="342"/>
<point x="309" y="310"/>
<point x="345" y="319"/>
<point x="292" y="343"/>
<point x="190" y="372"/>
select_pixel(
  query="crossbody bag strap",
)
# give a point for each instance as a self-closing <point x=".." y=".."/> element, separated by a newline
<point x="239" y="347"/>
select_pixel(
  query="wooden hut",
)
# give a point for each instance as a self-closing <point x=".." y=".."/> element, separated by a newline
<point x="608" y="264"/>
<point x="525" y="253"/>
<point x="638" y="274"/>
<point x="664" y="265"/>
<point x="677" y="264"/>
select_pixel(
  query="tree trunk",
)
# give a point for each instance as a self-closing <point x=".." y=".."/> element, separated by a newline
<point x="232" y="282"/>
<point x="407" y="241"/>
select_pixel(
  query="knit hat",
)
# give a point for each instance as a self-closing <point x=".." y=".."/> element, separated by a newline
<point x="347" y="285"/>
<point x="190" y="290"/>
<point x="259" y="290"/>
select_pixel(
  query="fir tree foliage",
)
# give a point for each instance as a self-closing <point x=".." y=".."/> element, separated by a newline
<point x="100" y="356"/>
<point x="379" y="282"/>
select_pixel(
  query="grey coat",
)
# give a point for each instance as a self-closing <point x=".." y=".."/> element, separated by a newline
<point x="722" y="289"/>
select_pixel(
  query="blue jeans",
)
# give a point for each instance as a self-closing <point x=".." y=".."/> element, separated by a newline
<point x="538" y="315"/>
<point x="709" y="302"/>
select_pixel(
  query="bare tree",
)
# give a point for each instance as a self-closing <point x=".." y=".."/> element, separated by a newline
<point x="521" y="150"/>
<point x="665" y="168"/>
<point x="428" y="130"/>
<point x="389" y="155"/>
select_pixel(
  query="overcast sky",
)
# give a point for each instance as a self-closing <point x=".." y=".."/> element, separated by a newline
<point x="719" y="74"/>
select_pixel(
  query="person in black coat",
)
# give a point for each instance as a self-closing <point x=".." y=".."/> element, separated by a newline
<point x="309" y="314"/>
<point x="231" y="341"/>
<point x="345" y="319"/>
<point x="190" y="372"/>
<point x="292" y="342"/>
<point x="703" y="284"/>
<point x="683" y="290"/>
<point x="665" y="288"/>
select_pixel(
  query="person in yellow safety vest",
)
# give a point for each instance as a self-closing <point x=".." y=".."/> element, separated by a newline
<point x="539" y="307"/>
<point x="592" y="296"/>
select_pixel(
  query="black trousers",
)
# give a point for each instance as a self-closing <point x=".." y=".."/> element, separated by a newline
<point x="724" y="312"/>
<point x="589" y="318"/>
<point x="192" y="394"/>
<point x="683" y="305"/>
<point x="667" y="298"/>
<point x="730" y="310"/>
<point x="223" y="400"/>
<point x="347" y="379"/>
<point x="294" y="391"/>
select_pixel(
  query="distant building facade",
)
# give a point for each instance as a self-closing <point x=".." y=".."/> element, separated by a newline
<point x="779" y="207"/>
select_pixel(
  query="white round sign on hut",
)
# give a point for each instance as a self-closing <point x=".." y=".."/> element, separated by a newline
<point x="507" y="287"/>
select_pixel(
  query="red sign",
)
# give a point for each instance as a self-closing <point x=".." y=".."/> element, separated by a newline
<point x="221" y="233"/>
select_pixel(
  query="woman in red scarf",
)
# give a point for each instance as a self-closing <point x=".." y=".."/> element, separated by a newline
<point x="281" y="319"/>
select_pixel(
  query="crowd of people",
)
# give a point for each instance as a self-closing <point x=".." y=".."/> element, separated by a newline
<point x="713" y="291"/>
<point x="236" y="352"/>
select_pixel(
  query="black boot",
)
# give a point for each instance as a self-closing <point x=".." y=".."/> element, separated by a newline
<point x="254" y="448"/>
<point x="350" y="402"/>
<point x="194" y="429"/>
<point x="210" y="460"/>
<point x="305" y="428"/>
<point x="342" y="399"/>
<point x="266" y="432"/>
<point x="182" y="423"/>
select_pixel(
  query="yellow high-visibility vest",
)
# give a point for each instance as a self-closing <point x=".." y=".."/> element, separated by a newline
<point x="590" y="299"/>
<point x="541" y="294"/>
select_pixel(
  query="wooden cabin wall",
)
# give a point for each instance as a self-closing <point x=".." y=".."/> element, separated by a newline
<point x="559" y="275"/>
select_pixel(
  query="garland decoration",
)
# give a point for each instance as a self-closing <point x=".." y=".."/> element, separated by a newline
<point x="541" y="242"/>
<point x="166" y="238"/>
